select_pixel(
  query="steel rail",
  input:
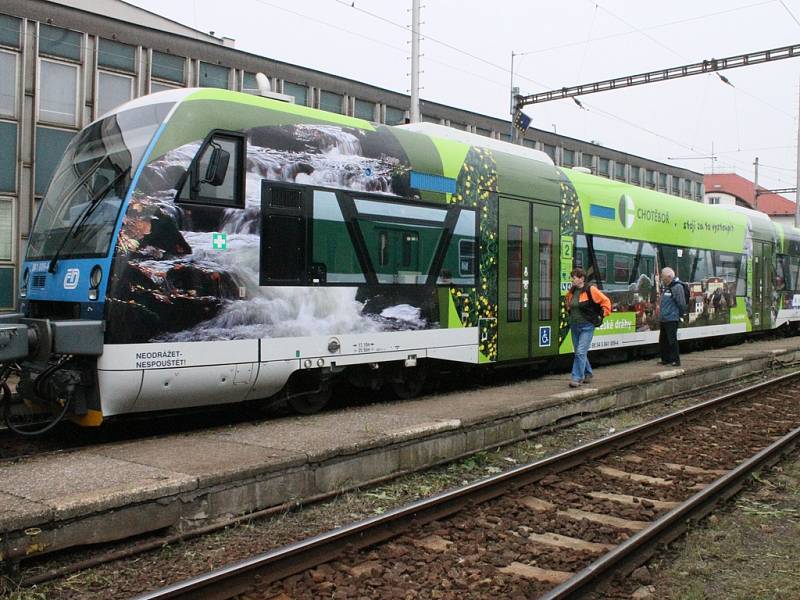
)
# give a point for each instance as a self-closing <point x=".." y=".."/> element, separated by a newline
<point x="283" y="562"/>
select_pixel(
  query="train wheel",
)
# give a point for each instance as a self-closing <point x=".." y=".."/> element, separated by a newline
<point x="308" y="403"/>
<point x="409" y="382"/>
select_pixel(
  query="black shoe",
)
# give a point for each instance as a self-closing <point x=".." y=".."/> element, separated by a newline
<point x="663" y="362"/>
<point x="588" y="377"/>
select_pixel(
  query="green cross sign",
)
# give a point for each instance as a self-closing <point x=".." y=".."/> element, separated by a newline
<point x="219" y="241"/>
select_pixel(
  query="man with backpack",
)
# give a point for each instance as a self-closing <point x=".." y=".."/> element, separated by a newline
<point x="586" y="306"/>
<point x="674" y="306"/>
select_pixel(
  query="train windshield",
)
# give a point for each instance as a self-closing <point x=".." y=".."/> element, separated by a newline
<point x="78" y="215"/>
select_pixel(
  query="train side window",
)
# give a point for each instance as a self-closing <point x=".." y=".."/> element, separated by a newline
<point x="545" y="274"/>
<point x="334" y="257"/>
<point x="514" y="273"/>
<point x="622" y="268"/>
<point x="401" y="238"/>
<point x="460" y="261"/>
<point x="216" y="175"/>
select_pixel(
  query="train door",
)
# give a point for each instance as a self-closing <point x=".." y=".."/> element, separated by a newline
<point x="529" y="280"/>
<point x="546" y="279"/>
<point x="515" y="273"/>
<point x="762" y="284"/>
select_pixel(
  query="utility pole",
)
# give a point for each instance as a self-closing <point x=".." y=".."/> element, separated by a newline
<point x="513" y="99"/>
<point x="797" y="175"/>
<point x="415" y="38"/>
<point x="755" y="186"/>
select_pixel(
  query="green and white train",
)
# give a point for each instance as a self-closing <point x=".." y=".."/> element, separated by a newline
<point x="199" y="247"/>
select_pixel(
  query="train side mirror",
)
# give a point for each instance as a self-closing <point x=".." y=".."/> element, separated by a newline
<point x="217" y="166"/>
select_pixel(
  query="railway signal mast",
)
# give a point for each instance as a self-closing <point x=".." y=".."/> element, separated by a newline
<point x="713" y="65"/>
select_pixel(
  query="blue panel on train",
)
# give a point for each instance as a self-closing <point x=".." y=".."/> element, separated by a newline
<point x="433" y="183"/>
<point x="603" y="212"/>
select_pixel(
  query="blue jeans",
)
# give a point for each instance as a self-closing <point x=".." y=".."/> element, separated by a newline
<point x="582" y="334"/>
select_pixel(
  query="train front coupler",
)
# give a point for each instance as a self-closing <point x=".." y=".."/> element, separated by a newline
<point x="55" y="364"/>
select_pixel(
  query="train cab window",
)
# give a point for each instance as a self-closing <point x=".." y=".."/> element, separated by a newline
<point x="545" y="274"/>
<point x="216" y="174"/>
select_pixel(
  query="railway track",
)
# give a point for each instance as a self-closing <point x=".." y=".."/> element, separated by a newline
<point x="557" y="528"/>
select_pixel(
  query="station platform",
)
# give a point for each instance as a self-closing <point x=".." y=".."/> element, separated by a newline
<point x="116" y="490"/>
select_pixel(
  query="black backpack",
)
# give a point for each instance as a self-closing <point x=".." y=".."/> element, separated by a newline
<point x="596" y="317"/>
<point x="685" y="286"/>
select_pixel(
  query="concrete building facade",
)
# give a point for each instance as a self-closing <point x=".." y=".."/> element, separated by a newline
<point x="65" y="63"/>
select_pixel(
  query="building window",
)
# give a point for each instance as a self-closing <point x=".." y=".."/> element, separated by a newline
<point x="550" y="151"/>
<point x="115" y="55"/>
<point x="9" y="31"/>
<point x="299" y="92"/>
<point x="713" y="199"/>
<point x="50" y="146"/>
<point x="567" y="157"/>
<point x="483" y="132"/>
<point x="6" y="229"/>
<point x="587" y="160"/>
<point x="157" y="86"/>
<point x="662" y="181"/>
<point x="168" y="67"/>
<point x="460" y="126"/>
<point x="330" y="101"/>
<point x="619" y="171"/>
<point x="602" y="166"/>
<point x="676" y="186"/>
<point x="397" y="116"/>
<point x="529" y="144"/>
<point x="687" y="188"/>
<point x="249" y="83"/>
<point x="58" y="93"/>
<point x="214" y="76"/>
<point x="635" y="175"/>
<point x="698" y="190"/>
<point x="112" y="90"/>
<point x="365" y="110"/>
<point x="8" y="83"/>
<point x="60" y="42"/>
<point x="651" y="178"/>
<point x="8" y="150"/>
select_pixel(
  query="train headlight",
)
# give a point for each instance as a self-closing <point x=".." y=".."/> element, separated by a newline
<point x="95" y="278"/>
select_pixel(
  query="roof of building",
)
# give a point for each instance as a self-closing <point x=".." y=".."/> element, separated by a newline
<point x="124" y="11"/>
<point x="742" y="188"/>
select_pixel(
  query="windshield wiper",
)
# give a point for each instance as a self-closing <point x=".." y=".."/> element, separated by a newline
<point x="78" y="222"/>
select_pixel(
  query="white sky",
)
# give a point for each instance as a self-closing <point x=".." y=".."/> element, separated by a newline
<point x="467" y="55"/>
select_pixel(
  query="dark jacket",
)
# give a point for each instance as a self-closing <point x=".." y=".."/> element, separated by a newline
<point x="673" y="302"/>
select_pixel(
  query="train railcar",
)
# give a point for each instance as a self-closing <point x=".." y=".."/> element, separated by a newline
<point x="198" y="247"/>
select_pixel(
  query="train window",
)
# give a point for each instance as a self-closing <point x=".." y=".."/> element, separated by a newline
<point x="216" y="174"/>
<point x="622" y="268"/>
<point x="514" y="274"/>
<point x="783" y="273"/>
<point x="401" y="239"/>
<point x="545" y="274"/>
<point x="410" y="250"/>
<point x="601" y="267"/>
<point x="466" y="257"/>
<point x="383" y="248"/>
<point x="334" y="258"/>
<point x="731" y="268"/>
<point x="459" y="265"/>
